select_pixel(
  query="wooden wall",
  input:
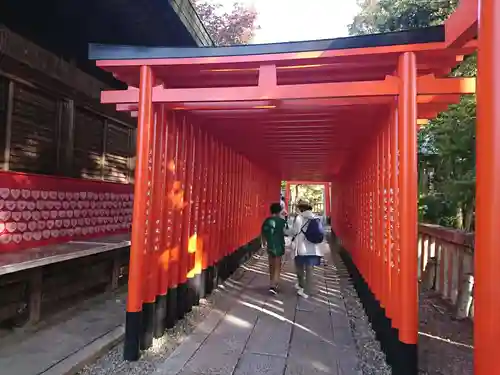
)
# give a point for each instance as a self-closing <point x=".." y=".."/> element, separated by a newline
<point x="51" y="126"/>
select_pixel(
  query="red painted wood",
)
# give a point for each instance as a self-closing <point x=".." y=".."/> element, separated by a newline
<point x="38" y="210"/>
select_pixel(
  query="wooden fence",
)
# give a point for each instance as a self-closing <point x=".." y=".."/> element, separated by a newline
<point x="446" y="265"/>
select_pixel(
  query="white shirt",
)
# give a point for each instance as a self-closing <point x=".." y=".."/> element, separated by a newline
<point x="301" y="245"/>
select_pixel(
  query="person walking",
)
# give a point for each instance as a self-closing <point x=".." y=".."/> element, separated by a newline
<point x="307" y="236"/>
<point x="273" y="240"/>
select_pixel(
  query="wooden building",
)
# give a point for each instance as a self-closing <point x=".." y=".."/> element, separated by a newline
<point x="51" y="121"/>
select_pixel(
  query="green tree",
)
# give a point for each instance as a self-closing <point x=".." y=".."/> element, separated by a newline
<point x="227" y="28"/>
<point x="314" y="194"/>
<point x="447" y="143"/>
<point x="394" y="15"/>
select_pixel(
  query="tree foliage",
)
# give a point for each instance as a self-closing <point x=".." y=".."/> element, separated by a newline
<point x="393" y="15"/>
<point x="312" y="193"/>
<point x="447" y="144"/>
<point x="227" y="28"/>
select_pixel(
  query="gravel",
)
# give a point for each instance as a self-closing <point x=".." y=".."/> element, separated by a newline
<point x="372" y="359"/>
<point x="112" y="362"/>
<point x="445" y="344"/>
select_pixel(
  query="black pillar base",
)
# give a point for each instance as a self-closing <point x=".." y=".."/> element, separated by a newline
<point x="198" y="286"/>
<point x="225" y="268"/>
<point x="211" y="279"/>
<point x="160" y="316"/>
<point x="133" y="329"/>
<point x="230" y="264"/>
<point x="403" y="358"/>
<point x="221" y="271"/>
<point x="241" y="256"/>
<point x="191" y="294"/>
<point x="148" y="319"/>
<point x="206" y="286"/>
<point x="171" y="317"/>
<point x="217" y="279"/>
<point x="182" y="296"/>
<point x="407" y="361"/>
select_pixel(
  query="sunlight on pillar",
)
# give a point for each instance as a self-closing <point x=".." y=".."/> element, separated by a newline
<point x="176" y="196"/>
<point x="195" y="246"/>
<point x="171" y="166"/>
<point x="168" y="257"/>
<point x="193" y="243"/>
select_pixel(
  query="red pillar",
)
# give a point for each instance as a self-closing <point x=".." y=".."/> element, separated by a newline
<point x="219" y="213"/>
<point x="248" y="191"/>
<point x="387" y="241"/>
<point x="385" y="227"/>
<point x="207" y="242"/>
<point x="168" y="264"/>
<point x="139" y="239"/>
<point x="231" y="205"/>
<point x="234" y="203"/>
<point x="287" y="197"/>
<point x="380" y="217"/>
<point x="164" y="298"/>
<point x="177" y="196"/>
<point x="215" y="251"/>
<point x="487" y="254"/>
<point x="224" y="214"/>
<point x="183" y="296"/>
<point x="395" y="277"/>
<point x="327" y="200"/>
<point x="408" y="176"/>
<point x="155" y="222"/>
<point x="196" y="242"/>
<point x="388" y="213"/>
<point x="239" y="203"/>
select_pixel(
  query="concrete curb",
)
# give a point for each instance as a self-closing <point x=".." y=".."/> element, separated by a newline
<point x="77" y="361"/>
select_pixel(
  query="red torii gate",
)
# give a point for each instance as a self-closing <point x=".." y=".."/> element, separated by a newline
<point x="344" y="111"/>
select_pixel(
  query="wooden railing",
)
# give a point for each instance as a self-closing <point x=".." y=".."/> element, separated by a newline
<point x="446" y="265"/>
<point x="318" y="208"/>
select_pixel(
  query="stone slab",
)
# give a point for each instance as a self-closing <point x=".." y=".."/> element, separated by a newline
<point x="56" y="347"/>
<point x="270" y="337"/>
<point x="77" y="361"/>
<point x="276" y="335"/>
<point x="256" y="364"/>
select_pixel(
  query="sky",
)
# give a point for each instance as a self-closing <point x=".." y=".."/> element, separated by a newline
<point x="293" y="20"/>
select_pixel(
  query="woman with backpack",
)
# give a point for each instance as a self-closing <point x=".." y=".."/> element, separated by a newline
<point x="307" y="236"/>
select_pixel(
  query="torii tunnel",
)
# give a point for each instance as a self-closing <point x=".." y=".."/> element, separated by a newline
<point x="219" y="128"/>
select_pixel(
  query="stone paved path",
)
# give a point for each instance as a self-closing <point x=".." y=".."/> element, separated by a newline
<point x="253" y="332"/>
<point x="52" y="348"/>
